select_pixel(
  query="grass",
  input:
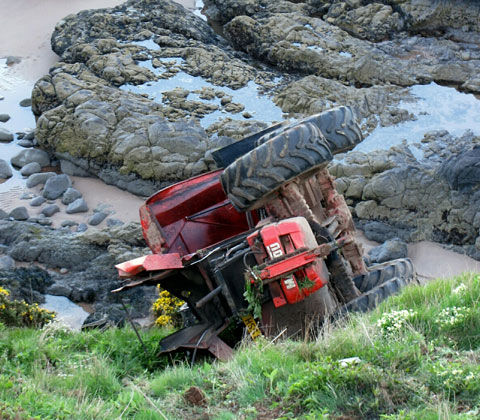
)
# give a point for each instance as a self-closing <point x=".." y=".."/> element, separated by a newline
<point x="415" y="357"/>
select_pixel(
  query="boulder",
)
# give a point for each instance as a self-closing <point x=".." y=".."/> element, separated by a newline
<point x="5" y="169"/>
<point x="38" y="179"/>
<point x="30" y="168"/>
<point x="77" y="206"/>
<point x="4" y="118"/>
<point x="50" y="210"/>
<point x="27" y="156"/>
<point x="37" y="201"/>
<point x="5" y="135"/>
<point x="97" y="218"/>
<point x="19" y="213"/>
<point x="390" y="250"/>
<point x="55" y="186"/>
<point x="70" y="195"/>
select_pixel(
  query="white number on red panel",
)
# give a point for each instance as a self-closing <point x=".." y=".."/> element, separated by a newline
<point x="274" y="250"/>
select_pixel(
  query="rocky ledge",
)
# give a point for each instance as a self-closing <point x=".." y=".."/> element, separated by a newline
<point x="78" y="266"/>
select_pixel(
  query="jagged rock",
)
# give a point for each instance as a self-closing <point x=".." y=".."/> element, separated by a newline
<point x="5" y="169"/>
<point x="390" y="250"/>
<point x="6" y="262"/>
<point x="77" y="206"/>
<point x="56" y="186"/>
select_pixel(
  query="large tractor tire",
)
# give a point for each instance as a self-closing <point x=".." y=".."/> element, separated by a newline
<point x="381" y="273"/>
<point x="338" y="125"/>
<point x="383" y="281"/>
<point x="296" y="152"/>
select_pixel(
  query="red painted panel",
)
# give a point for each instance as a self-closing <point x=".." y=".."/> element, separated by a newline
<point x="192" y="215"/>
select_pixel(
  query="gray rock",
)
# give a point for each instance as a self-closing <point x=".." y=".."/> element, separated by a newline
<point x="37" y="179"/>
<point x="4" y="118"/>
<point x="78" y="206"/>
<point x="82" y="227"/>
<point x="19" y="213"/>
<point x="3" y="214"/>
<point x="390" y="250"/>
<point x="463" y="170"/>
<point x="30" y="168"/>
<point x="11" y="59"/>
<point x="26" y="102"/>
<point x="70" y="168"/>
<point x="5" y="170"/>
<point x="50" y="210"/>
<point x="44" y="221"/>
<point x="5" y="135"/>
<point x="6" y="262"/>
<point x="114" y="222"/>
<point x="70" y="195"/>
<point x="27" y="195"/>
<point x="25" y="143"/>
<point x="37" y="201"/>
<point x="30" y="135"/>
<point x="26" y="156"/>
<point x="68" y="223"/>
<point x="56" y="186"/>
<point x="97" y="218"/>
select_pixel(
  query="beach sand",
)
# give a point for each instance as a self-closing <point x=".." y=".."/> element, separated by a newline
<point x="26" y="26"/>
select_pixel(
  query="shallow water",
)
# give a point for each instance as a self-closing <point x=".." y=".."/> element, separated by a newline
<point x="259" y="106"/>
<point x="437" y="108"/>
<point x="13" y="89"/>
<point x="67" y="311"/>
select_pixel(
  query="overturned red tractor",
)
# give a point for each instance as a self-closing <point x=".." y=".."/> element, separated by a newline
<point x="267" y="239"/>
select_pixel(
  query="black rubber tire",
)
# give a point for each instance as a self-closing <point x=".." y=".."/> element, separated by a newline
<point x="381" y="273"/>
<point x="338" y="125"/>
<point x="253" y="177"/>
<point x="372" y="298"/>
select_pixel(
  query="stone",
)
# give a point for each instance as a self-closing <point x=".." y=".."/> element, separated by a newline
<point x="50" y="210"/>
<point x="114" y="222"/>
<point x="11" y="59"/>
<point x="5" y="169"/>
<point x="97" y="218"/>
<point x="4" y="118"/>
<point x="37" y="179"/>
<point x="82" y="227"/>
<point x="37" y="201"/>
<point x="56" y="186"/>
<point x="70" y="195"/>
<point x="30" y="168"/>
<point x="29" y="135"/>
<point x="77" y="206"/>
<point x="3" y="214"/>
<point x="25" y="143"/>
<point x="26" y="156"/>
<point x="26" y="102"/>
<point x="6" y="262"/>
<point x="5" y="135"/>
<point x="389" y="250"/>
<point x="19" y="213"/>
<point x="70" y="168"/>
<point x="68" y="223"/>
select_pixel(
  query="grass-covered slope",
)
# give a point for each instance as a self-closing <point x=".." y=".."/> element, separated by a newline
<point x="416" y="357"/>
